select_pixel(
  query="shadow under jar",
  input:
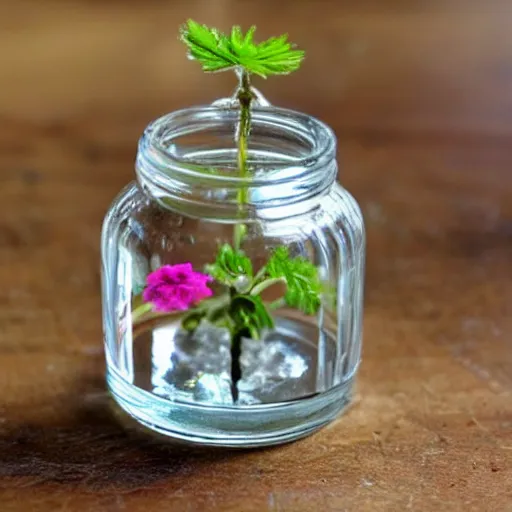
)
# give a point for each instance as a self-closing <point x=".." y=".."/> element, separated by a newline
<point x="187" y="202"/>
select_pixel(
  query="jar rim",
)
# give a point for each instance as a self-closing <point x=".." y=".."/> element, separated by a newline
<point x="301" y="173"/>
<point x="324" y="141"/>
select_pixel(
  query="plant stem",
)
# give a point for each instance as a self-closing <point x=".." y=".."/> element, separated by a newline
<point x="245" y="97"/>
<point x="236" y="370"/>
<point x="207" y="307"/>
<point x="265" y="284"/>
<point x="261" y="273"/>
<point x="140" y="311"/>
<point x="279" y="303"/>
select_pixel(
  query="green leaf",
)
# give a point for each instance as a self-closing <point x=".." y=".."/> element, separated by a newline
<point x="192" y="320"/>
<point x="303" y="287"/>
<point x="229" y="265"/>
<point x="216" y="51"/>
<point x="250" y="314"/>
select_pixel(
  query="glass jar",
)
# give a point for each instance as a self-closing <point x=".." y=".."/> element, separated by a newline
<point x="171" y="370"/>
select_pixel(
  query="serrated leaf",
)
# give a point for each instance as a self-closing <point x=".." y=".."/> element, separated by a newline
<point x="303" y="287"/>
<point x="216" y="51"/>
<point x="229" y="265"/>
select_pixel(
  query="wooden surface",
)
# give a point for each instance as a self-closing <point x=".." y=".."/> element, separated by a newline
<point x="420" y="95"/>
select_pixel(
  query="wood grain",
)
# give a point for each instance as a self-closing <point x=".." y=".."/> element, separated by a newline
<point x="420" y="95"/>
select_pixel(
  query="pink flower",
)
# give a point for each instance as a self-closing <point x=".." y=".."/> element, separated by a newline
<point x="176" y="288"/>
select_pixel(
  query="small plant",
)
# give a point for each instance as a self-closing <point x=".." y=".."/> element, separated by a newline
<point x="240" y="307"/>
<point x="216" y="51"/>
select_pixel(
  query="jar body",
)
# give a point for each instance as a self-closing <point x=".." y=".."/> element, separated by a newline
<point x="303" y="381"/>
<point x="232" y="309"/>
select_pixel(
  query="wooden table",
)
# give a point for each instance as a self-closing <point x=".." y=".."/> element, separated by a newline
<point x="420" y="95"/>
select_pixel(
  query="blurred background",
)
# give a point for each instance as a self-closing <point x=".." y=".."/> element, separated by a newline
<point x="399" y="67"/>
<point x="418" y="92"/>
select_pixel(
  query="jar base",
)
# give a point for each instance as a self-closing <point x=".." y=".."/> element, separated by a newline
<point x="230" y="426"/>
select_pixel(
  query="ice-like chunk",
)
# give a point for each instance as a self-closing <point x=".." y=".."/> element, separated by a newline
<point x="272" y="371"/>
<point x="192" y="357"/>
<point x="213" y="389"/>
<point x="206" y="350"/>
<point x="196" y="367"/>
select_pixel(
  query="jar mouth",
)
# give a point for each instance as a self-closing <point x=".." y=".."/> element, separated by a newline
<point x="192" y="154"/>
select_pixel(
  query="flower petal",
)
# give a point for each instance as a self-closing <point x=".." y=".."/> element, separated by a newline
<point x="176" y="287"/>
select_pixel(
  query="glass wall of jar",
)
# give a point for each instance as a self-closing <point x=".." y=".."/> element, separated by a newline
<point x="192" y="250"/>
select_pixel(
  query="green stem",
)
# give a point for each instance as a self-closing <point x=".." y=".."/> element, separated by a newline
<point x="206" y="307"/>
<point x="214" y="303"/>
<point x="236" y="369"/>
<point x="279" y="303"/>
<point x="261" y="273"/>
<point x="265" y="284"/>
<point x="245" y="97"/>
<point x="140" y="311"/>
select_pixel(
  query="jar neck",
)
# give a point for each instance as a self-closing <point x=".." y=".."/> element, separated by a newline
<point x="187" y="161"/>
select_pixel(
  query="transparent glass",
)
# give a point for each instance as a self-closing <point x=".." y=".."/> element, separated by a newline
<point x="186" y="203"/>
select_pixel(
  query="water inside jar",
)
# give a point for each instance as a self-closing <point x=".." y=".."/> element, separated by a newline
<point x="177" y="365"/>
